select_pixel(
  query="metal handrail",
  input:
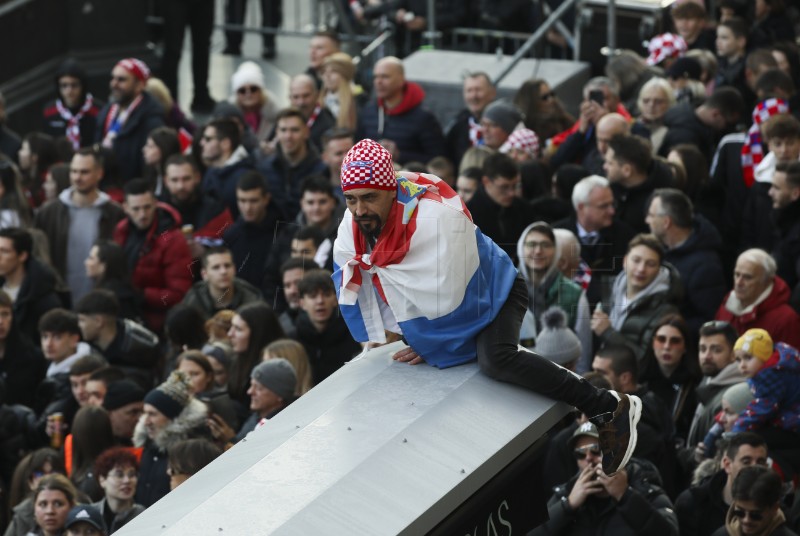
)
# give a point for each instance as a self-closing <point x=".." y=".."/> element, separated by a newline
<point x="535" y="38"/>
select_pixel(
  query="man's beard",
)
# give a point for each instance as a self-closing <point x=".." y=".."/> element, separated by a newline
<point x="710" y="370"/>
<point x="373" y="232"/>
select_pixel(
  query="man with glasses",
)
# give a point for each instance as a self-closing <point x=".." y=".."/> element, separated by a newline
<point x="692" y="246"/>
<point x="547" y="286"/>
<point x="629" y="502"/>
<point x="702" y="509"/>
<point x="603" y="238"/>
<point x="497" y="207"/>
<point x="124" y="123"/>
<point x="227" y="161"/>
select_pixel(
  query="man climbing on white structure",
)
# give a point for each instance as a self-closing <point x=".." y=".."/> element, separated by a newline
<point x="409" y="260"/>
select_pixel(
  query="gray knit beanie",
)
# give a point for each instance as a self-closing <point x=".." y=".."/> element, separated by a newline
<point x="738" y="396"/>
<point x="556" y="341"/>
<point x="277" y="375"/>
<point x="505" y="114"/>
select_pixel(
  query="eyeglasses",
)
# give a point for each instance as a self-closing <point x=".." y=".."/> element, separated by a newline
<point x="121" y="475"/>
<point x="547" y="96"/>
<point x="544" y="245"/>
<point x="581" y="452"/>
<point x="248" y="89"/>
<point x="662" y="339"/>
<point x="755" y="515"/>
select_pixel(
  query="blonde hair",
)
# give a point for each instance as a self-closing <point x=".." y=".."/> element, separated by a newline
<point x="342" y="63"/>
<point x="159" y="91"/>
<point x="296" y="355"/>
<point x="474" y="157"/>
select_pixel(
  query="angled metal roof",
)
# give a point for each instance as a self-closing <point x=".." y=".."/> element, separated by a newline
<point x="380" y="447"/>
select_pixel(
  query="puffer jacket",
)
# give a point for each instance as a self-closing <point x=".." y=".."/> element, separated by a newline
<point x="162" y="269"/>
<point x="643" y="509"/>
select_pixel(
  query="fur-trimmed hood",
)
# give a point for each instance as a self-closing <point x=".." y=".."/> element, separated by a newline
<point x="190" y="423"/>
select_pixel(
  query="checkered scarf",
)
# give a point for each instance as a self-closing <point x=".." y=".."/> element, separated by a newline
<point x="752" y="150"/>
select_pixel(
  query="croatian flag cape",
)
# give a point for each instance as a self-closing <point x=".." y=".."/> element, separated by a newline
<point x="432" y="275"/>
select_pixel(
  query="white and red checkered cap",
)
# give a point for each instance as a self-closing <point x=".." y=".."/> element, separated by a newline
<point x="666" y="45"/>
<point x="136" y="67"/>
<point x="523" y="139"/>
<point x="368" y="165"/>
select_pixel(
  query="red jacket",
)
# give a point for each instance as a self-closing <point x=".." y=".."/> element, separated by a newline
<point x="773" y="314"/>
<point x="163" y="270"/>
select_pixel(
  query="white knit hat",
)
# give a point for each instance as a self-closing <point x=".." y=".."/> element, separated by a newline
<point x="249" y="73"/>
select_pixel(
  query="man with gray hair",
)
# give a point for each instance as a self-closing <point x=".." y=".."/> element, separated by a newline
<point x="396" y="118"/>
<point x="304" y="95"/>
<point x="603" y="238"/>
<point x="692" y="246"/>
<point x="760" y="299"/>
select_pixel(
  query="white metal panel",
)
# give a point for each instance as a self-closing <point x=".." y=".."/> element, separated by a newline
<point x="378" y="448"/>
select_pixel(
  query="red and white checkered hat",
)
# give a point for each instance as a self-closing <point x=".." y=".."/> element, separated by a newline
<point x="666" y="45"/>
<point x="136" y="67"/>
<point x="368" y="165"/>
<point x="523" y="139"/>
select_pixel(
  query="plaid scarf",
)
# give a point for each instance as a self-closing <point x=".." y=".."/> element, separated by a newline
<point x="752" y="150"/>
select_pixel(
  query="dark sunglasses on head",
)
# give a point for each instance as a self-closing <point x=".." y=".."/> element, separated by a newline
<point x="581" y="452"/>
<point x="755" y="515"/>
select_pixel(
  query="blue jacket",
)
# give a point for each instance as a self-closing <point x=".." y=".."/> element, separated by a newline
<point x="698" y="263"/>
<point x="285" y="180"/>
<point x="776" y="394"/>
<point x="220" y="182"/>
<point x="415" y="130"/>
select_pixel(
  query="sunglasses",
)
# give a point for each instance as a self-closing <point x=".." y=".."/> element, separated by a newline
<point x="755" y="515"/>
<point x="581" y="452"/>
<point x="548" y="96"/>
<point x="248" y="89"/>
<point x="662" y="339"/>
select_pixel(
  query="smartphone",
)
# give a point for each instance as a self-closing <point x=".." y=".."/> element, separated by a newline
<point x="597" y="96"/>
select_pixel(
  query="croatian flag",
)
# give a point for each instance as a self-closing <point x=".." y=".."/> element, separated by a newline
<point x="432" y="276"/>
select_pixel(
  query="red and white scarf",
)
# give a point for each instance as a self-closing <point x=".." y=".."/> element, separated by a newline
<point x="116" y="119"/>
<point x="752" y="150"/>
<point x="475" y="133"/>
<point x="73" y="120"/>
<point x="314" y="115"/>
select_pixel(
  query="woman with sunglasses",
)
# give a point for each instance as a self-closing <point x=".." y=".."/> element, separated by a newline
<point x="252" y="98"/>
<point x="672" y="372"/>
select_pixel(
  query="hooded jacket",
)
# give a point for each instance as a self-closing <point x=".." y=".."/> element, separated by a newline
<point x="54" y="219"/>
<point x="643" y="509"/>
<point x="161" y="270"/>
<point x="634" y="322"/>
<point x="773" y="314"/>
<point x="415" y="130"/>
<point x="128" y="143"/>
<point x="37" y="295"/>
<point x="153" y="479"/>
<point x="709" y="395"/>
<point x="285" y="180"/>
<point x="698" y="263"/>
<point x="776" y="394"/>
<point x="221" y="181"/>
<point x="555" y="289"/>
<point x="54" y="124"/>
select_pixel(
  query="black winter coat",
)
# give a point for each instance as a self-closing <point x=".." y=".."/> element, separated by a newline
<point x="329" y="350"/>
<point x="37" y="295"/>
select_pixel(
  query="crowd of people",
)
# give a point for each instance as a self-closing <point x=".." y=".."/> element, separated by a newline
<point x="165" y="286"/>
